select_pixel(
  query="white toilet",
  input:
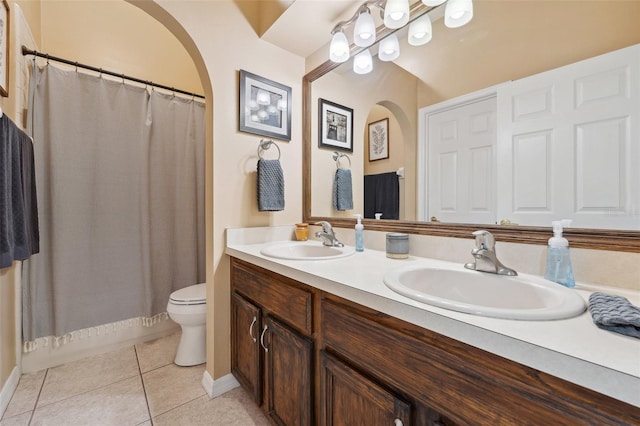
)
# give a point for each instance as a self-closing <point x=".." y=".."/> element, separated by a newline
<point x="188" y="307"/>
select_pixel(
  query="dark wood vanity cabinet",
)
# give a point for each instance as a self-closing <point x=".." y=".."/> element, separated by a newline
<point x="350" y="398"/>
<point x="271" y="344"/>
<point x="356" y="366"/>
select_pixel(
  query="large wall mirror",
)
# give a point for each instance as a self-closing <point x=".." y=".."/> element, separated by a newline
<point x="505" y="41"/>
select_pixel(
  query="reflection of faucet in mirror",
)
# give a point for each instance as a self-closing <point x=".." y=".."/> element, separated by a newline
<point x="485" y="254"/>
<point x="327" y="235"/>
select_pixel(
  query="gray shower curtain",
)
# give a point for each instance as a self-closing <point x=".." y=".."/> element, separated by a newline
<point x="120" y="182"/>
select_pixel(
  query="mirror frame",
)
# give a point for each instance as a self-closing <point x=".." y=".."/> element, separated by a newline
<point x="597" y="239"/>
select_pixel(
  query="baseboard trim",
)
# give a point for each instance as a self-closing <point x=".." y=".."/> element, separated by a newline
<point x="8" y="389"/>
<point x="217" y="387"/>
<point x="48" y="356"/>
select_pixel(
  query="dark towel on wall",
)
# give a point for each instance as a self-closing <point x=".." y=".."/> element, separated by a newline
<point x="382" y="195"/>
<point x="615" y="313"/>
<point x="270" y="183"/>
<point x="19" y="233"/>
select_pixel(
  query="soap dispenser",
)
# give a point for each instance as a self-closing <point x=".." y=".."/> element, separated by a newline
<point x="558" y="268"/>
<point x="359" y="233"/>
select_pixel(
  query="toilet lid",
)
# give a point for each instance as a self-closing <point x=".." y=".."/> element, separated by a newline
<point x="192" y="295"/>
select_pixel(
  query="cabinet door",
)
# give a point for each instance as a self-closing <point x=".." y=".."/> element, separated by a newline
<point x="289" y="371"/>
<point x="348" y="398"/>
<point x="245" y="345"/>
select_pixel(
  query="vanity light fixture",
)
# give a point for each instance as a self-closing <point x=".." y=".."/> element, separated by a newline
<point x="339" y="50"/>
<point x="395" y="14"/>
<point x="364" y="33"/>
<point x="362" y="62"/>
<point x="458" y="13"/>
<point x="420" y="31"/>
<point x="389" y="48"/>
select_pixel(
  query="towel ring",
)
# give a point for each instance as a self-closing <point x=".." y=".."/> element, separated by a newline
<point x="266" y="144"/>
<point x="337" y="158"/>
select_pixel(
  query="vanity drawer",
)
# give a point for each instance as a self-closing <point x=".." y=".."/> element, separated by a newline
<point x="280" y="296"/>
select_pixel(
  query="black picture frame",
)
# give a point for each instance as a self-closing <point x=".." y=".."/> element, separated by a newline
<point x="335" y="126"/>
<point x="379" y="140"/>
<point x="265" y="107"/>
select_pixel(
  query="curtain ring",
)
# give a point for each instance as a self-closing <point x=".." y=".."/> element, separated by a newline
<point x="76" y="66"/>
<point x="100" y="72"/>
<point x="47" y="59"/>
<point x="122" y="76"/>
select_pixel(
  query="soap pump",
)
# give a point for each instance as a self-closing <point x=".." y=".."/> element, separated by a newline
<point x="359" y="233"/>
<point x="558" y="268"/>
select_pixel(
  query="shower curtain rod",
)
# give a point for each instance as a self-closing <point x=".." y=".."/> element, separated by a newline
<point x="26" y="51"/>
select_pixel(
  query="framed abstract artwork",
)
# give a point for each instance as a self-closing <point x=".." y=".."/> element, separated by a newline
<point x="265" y="107"/>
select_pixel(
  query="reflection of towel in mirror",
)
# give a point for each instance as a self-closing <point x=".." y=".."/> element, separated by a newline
<point x="342" y="190"/>
<point x="615" y="313"/>
<point x="270" y="183"/>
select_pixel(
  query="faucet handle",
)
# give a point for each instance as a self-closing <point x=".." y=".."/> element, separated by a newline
<point x="485" y="239"/>
<point x="326" y="226"/>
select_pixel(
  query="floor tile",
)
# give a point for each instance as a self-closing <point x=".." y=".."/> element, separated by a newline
<point x="26" y="394"/>
<point x="119" y="404"/>
<point x="249" y="405"/>
<point x="157" y="353"/>
<point x="19" y="420"/>
<point x="171" y="386"/>
<point x="88" y="374"/>
<point x="206" y="411"/>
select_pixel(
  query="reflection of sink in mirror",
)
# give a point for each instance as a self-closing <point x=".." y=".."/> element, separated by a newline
<point x="309" y="250"/>
<point x="524" y="297"/>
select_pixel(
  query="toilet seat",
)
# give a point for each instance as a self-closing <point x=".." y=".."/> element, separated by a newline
<point x="192" y="295"/>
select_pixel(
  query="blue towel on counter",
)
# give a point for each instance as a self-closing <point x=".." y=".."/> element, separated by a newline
<point x="615" y="313"/>
<point x="270" y="184"/>
<point x="342" y="190"/>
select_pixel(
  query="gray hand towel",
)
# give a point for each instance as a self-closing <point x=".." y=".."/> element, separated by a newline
<point x="615" y="313"/>
<point x="342" y="190"/>
<point x="270" y="184"/>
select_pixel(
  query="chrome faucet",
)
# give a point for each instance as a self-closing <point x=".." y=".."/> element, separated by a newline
<point x="485" y="254"/>
<point x="327" y="235"/>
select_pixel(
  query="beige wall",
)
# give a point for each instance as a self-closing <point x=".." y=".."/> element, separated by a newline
<point x="387" y="86"/>
<point x="227" y="43"/>
<point x="119" y="37"/>
<point x="7" y="323"/>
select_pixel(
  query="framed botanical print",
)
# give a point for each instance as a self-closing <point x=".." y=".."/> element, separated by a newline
<point x="379" y="140"/>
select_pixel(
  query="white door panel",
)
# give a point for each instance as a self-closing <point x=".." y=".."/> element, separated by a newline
<point x="461" y="163"/>
<point x="567" y="139"/>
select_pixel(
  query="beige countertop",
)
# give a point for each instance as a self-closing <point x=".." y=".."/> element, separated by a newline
<point x="573" y="349"/>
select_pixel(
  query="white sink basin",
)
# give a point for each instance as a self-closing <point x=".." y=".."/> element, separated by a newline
<point x="524" y="297"/>
<point x="307" y="250"/>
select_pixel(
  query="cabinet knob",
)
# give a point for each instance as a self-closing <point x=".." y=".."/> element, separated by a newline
<point x="251" y="329"/>
<point x="397" y="422"/>
<point x="264" y="330"/>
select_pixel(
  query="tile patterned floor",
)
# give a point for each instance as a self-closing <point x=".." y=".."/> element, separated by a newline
<point x="134" y="386"/>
